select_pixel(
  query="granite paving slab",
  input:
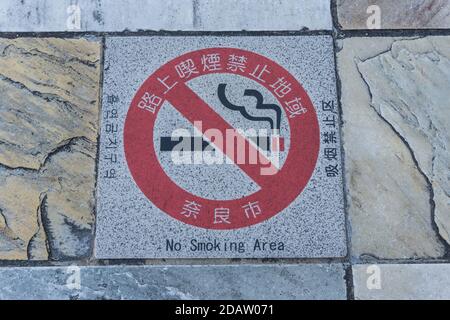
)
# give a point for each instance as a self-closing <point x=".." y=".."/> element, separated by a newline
<point x="152" y="205"/>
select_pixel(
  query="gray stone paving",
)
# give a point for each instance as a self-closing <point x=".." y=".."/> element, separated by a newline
<point x="398" y="14"/>
<point x="394" y="98"/>
<point x="313" y="225"/>
<point x="226" y="282"/>
<point x="402" y="281"/>
<point x="135" y="15"/>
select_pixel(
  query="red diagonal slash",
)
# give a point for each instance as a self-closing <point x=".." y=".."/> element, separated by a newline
<point x="193" y="108"/>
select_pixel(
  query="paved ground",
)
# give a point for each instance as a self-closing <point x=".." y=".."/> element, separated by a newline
<point x="62" y="66"/>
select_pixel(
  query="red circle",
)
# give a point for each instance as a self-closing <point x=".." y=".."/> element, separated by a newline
<point x="277" y="192"/>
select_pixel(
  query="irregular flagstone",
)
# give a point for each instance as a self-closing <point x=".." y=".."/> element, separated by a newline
<point x="49" y="115"/>
<point x="60" y="73"/>
<point x="402" y="282"/>
<point x="399" y="14"/>
<point x="48" y="214"/>
<point x="20" y="212"/>
<point x="175" y="282"/>
<point x="135" y="15"/>
<point x="389" y="96"/>
<point x="409" y="87"/>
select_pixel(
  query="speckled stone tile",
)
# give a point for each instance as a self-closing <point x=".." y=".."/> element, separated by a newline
<point x="138" y="198"/>
<point x="262" y="282"/>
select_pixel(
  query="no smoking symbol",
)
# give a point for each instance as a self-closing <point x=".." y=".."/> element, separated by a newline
<point x="278" y="186"/>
